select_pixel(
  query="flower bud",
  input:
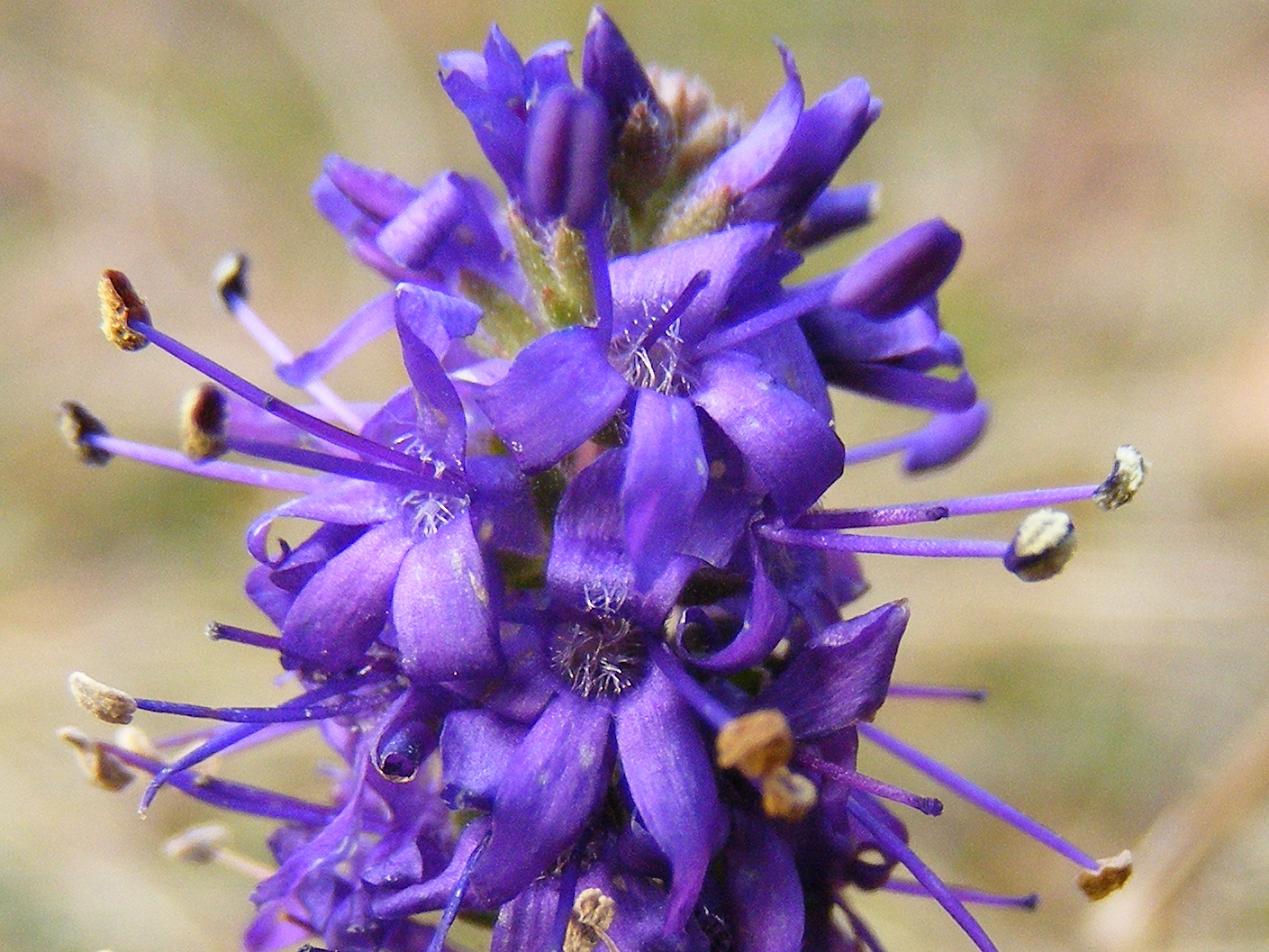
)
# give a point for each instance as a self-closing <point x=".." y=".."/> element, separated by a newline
<point x="901" y="272"/>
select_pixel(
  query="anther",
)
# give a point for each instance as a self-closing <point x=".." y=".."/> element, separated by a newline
<point x="593" y="915"/>
<point x="1126" y="476"/>
<point x="1044" y="543"/>
<point x="79" y="427"/>
<point x="136" y="741"/>
<point x="105" y="703"/>
<point x="203" y="414"/>
<point x="121" y="310"/>
<point x="101" y="766"/>
<point x="1110" y="875"/>
<point x="230" y="276"/>
<point x="787" y="795"/>
<point x="200" y="845"/>
<point x="756" y="744"/>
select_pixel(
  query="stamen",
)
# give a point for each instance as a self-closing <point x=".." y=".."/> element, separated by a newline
<point x="964" y="894"/>
<point x="456" y="897"/>
<point x="1110" y="875"/>
<point x="756" y="743"/>
<point x="310" y="424"/>
<point x="101" y="766"/>
<point x="122" y="311"/>
<point x="343" y="466"/>
<point x="871" y="816"/>
<point x="1126" y="476"/>
<point x="691" y="290"/>
<point x="711" y="710"/>
<point x="208" y="843"/>
<point x="930" y="806"/>
<point x="230" y="275"/>
<point x="747" y="326"/>
<point x="601" y="284"/>
<point x="104" y="703"/>
<point x="103" y="446"/>
<point x="203" y="414"/>
<point x="1044" y="543"/>
<point x="890" y="545"/>
<point x="1117" y="489"/>
<point x="80" y="427"/>
<point x="787" y="795"/>
<point x="987" y="802"/>
<point x="936" y="692"/>
<point x="261" y="715"/>
<point x="217" y="631"/>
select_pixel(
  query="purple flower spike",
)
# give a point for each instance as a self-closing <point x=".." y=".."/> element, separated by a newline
<point x="570" y="613"/>
<point x="897" y="275"/>
<point x="566" y="162"/>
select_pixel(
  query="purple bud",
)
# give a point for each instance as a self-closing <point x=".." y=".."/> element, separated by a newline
<point x="566" y="163"/>
<point x="611" y="70"/>
<point x="836" y="211"/>
<point x="414" y="234"/>
<point x="892" y="278"/>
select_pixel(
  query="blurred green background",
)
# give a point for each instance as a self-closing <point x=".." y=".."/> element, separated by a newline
<point x="1108" y="164"/>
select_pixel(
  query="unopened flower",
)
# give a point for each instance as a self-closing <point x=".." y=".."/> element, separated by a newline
<point x="571" y="616"/>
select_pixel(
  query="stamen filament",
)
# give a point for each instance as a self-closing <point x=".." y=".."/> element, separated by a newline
<point x="215" y="469"/>
<point x="279" y="353"/>
<point x="930" y="806"/>
<point x="890" y="545"/>
<point x="936" y="692"/>
<point x="801" y="301"/>
<point x="232" y="795"/>
<point x="964" y="894"/>
<point x="260" y="715"/>
<point x="987" y="802"/>
<point x="689" y="294"/>
<point x="601" y="283"/>
<point x="310" y="424"/>
<point x="456" y="897"/>
<point x="340" y="465"/>
<point x="217" y="631"/>
<point x="870" y="816"/>
<point x="867" y="452"/>
<point x="917" y="512"/>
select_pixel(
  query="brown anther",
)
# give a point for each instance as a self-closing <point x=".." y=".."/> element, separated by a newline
<point x="756" y="743"/>
<point x="121" y="309"/>
<point x="101" y="766"/>
<point x="78" y="427"/>
<point x="787" y="795"/>
<point x="230" y="275"/>
<point x="203" y="414"/>
<point x="1044" y="543"/>
<point x="1126" y="476"/>
<point x="593" y="915"/>
<point x="1110" y="875"/>
<point x="101" y="701"/>
<point x="200" y="844"/>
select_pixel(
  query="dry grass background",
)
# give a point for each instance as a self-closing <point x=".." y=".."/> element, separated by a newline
<point x="1109" y="165"/>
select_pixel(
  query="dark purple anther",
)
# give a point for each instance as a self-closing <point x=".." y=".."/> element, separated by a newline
<point x="900" y="273"/>
<point x="566" y="163"/>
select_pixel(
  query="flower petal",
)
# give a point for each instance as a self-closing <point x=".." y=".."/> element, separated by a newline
<point x="441" y="607"/>
<point x="477" y="748"/>
<point x="766" y="620"/>
<point x="413" y="235"/>
<point x="842" y="676"/>
<point x="671" y="778"/>
<point x="764" y="895"/>
<point x="344" y="606"/>
<point x="792" y="448"/>
<point x="368" y="322"/>
<point x="343" y="502"/>
<point x="559" y="391"/>
<point x="665" y="477"/>
<point x="556" y="780"/>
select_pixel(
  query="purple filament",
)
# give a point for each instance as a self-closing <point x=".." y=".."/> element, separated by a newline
<point x="935" y="692"/>
<point x="930" y="806"/>
<point x="867" y="813"/>
<point x="890" y="545"/>
<point x="965" y="894"/>
<point x="601" y="283"/>
<point x="243" y="636"/>
<point x="689" y="294"/>
<point x="909" y="514"/>
<point x="261" y="715"/>
<point x="712" y="710"/>
<point x="341" y="465"/>
<point x="214" y="469"/>
<point x="976" y="795"/>
<point x="456" y="898"/>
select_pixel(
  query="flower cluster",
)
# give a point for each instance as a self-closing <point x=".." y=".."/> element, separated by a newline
<point x="571" y="617"/>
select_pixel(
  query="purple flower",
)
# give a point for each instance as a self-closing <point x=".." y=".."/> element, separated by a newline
<point x="571" y="617"/>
